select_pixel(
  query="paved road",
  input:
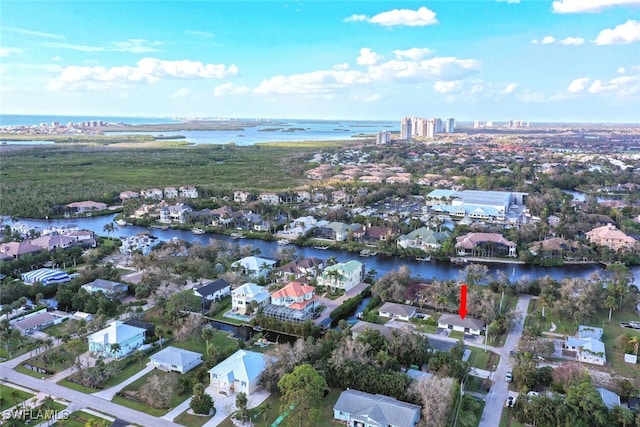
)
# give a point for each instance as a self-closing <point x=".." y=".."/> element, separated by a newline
<point x="499" y="392"/>
<point x="82" y="400"/>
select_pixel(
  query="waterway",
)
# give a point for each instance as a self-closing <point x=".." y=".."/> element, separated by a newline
<point x="381" y="264"/>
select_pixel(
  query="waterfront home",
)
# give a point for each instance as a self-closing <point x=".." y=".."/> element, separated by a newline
<point x="361" y="326"/>
<point x="609" y="236"/>
<point x="339" y="231"/>
<point x="243" y="296"/>
<point x="128" y="195"/>
<point x="424" y="239"/>
<point x="142" y="243"/>
<point x="213" y="290"/>
<point x="485" y="245"/>
<point x="343" y="275"/>
<point x="173" y="359"/>
<point x="86" y="206"/>
<point x="468" y="325"/>
<point x="51" y="242"/>
<point x="392" y="310"/>
<point x="188" y="192"/>
<point x="15" y="250"/>
<point x="559" y="248"/>
<point x="360" y="409"/>
<point x="240" y="372"/>
<point x="376" y="233"/>
<point x="128" y="338"/>
<point x="586" y="346"/>
<point x="174" y="213"/>
<point x="107" y="287"/>
<point x="296" y="295"/>
<point x="303" y="269"/>
<point x="253" y="266"/>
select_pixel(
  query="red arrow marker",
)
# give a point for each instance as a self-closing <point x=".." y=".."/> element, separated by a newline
<point x="463" y="301"/>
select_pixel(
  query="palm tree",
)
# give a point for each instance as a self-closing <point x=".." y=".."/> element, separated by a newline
<point x="610" y="303"/>
<point x="115" y="348"/>
<point x="159" y="333"/>
<point x="207" y="334"/>
<point x="441" y="300"/>
<point x="635" y="342"/>
<point x="109" y="228"/>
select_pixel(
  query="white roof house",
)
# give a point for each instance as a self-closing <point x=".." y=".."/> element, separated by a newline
<point x="243" y="295"/>
<point x="398" y="311"/>
<point x="587" y="345"/>
<point x="467" y="325"/>
<point x="239" y="372"/>
<point x="254" y="266"/>
<point x="129" y="338"/>
<point x="176" y="359"/>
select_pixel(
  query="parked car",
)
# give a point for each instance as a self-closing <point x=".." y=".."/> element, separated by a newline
<point x="509" y="377"/>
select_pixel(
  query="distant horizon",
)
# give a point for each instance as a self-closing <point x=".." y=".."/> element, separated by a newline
<point x="186" y="118"/>
<point x="543" y="61"/>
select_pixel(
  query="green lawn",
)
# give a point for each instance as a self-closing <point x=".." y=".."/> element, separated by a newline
<point x="507" y="421"/>
<point x="220" y="339"/>
<point x="483" y="360"/>
<point x="79" y="419"/>
<point x="611" y="331"/>
<point x="189" y="420"/>
<point x="140" y="406"/>
<point x="268" y="411"/>
<point x="12" y="396"/>
<point x="77" y="387"/>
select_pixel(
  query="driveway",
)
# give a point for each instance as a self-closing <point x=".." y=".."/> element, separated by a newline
<point x="226" y="405"/>
<point x="499" y="392"/>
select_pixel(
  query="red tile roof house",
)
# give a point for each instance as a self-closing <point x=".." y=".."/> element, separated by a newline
<point x="296" y="295"/>
<point x="485" y="245"/>
<point x="17" y="249"/>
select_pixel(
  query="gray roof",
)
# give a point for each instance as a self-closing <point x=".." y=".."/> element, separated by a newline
<point x="176" y="356"/>
<point x="362" y="326"/>
<point x="107" y="285"/>
<point x="397" y="309"/>
<point x="377" y="409"/>
<point x="38" y="320"/>
<point x="456" y="320"/>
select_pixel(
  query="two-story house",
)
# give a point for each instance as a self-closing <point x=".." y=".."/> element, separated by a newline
<point x="343" y="275"/>
<point x="243" y="296"/>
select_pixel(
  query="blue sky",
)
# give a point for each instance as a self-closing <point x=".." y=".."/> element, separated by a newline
<point x="538" y="60"/>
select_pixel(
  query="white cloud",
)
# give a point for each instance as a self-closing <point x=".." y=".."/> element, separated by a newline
<point x="148" y="70"/>
<point x="509" y="1"/>
<point x="619" y="86"/>
<point x="230" y="89"/>
<point x="578" y="6"/>
<point x="626" y="33"/>
<point x="204" y="34"/>
<point x="8" y="51"/>
<point x="621" y="70"/>
<point x="578" y="85"/>
<point x="339" y="67"/>
<point x="33" y="33"/>
<point x="181" y="93"/>
<point x="368" y="57"/>
<point x="509" y="89"/>
<point x="414" y="53"/>
<point x="548" y="40"/>
<point x="440" y="68"/>
<point x="407" y="17"/>
<point x="316" y="82"/>
<point x="572" y="41"/>
<point x="449" y="87"/>
<point x="56" y="58"/>
<point x="130" y="46"/>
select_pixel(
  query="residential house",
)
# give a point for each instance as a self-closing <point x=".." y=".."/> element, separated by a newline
<point x="128" y="195"/>
<point x="255" y="267"/>
<point x="609" y="236"/>
<point x="338" y="231"/>
<point x="587" y="345"/>
<point x="397" y="311"/>
<point x="376" y="233"/>
<point x="142" y="243"/>
<point x="424" y="239"/>
<point x="241" y="196"/>
<point x="343" y="275"/>
<point x="14" y="250"/>
<point x="213" y="290"/>
<point x="170" y="192"/>
<point x="107" y="287"/>
<point x="361" y="326"/>
<point x="51" y="242"/>
<point x="84" y="238"/>
<point x="360" y="409"/>
<point x="296" y="295"/>
<point x="152" y="193"/>
<point x="86" y="206"/>
<point x="303" y="196"/>
<point x="174" y="213"/>
<point x="559" y="248"/>
<point x="243" y="296"/>
<point x="485" y="245"/>
<point x="173" y="359"/>
<point x="128" y="338"/>
<point x="269" y="198"/>
<point x="82" y="316"/>
<point x="189" y="192"/>
<point x="300" y="270"/>
<point x="36" y="321"/>
<point x="240" y="372"/>
<point x="468" y="325"/>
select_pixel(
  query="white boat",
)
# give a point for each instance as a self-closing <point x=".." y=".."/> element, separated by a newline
<point x="236" y="236"/>
<point x="367" y="253"/>
<point x="121" y="222"/>
<point x="283" y="242"/>
<point x="198" y="231"/>
<point x="322" y="248"/>
<point x="424" y="259"/>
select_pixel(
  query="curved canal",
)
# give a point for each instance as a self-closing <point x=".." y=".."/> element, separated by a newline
<point x="381" y="264"/>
